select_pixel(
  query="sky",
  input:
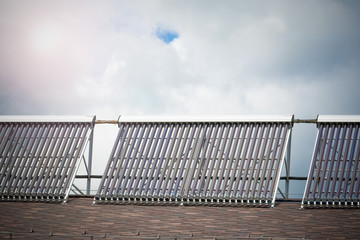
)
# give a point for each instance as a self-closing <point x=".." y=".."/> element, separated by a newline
<point x="110" y="58"/>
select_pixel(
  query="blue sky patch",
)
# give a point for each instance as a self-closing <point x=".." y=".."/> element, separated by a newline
<point x="166" y="35"/>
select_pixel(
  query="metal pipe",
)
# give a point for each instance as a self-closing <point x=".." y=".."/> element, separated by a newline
<point x="184" y="163"/>
<point x="356" y="173"/>
<point x="288" y="162"/>
<point x="132" y="137"/>
<point x="216" y="159"/>
<point x="81" y="149"/>
<point x="64" y="159"/>
<point x="34" y="158"/>
<point x="346" y="143"/>
<point x="147" y="157"/>
<point x="305" y="121"/>
<point x="106" y="122"/>
<point x="50" y="158"/>
<point x="347" y="178"/>
<point x="241" y="173"/>
<point x="242" y="129"/>
<point x="319" y="164"/>
<point x="226" y="164"/>
<point x="326" y="160"/>
<point x="150" y="131"/>
<point x="332" y="160"/>
<point x="109" y="186"/>
<point x="351" y="191"/>
<point x="163" y="128"/>
<point x="193" y="160"/>
<point x="209" y="148"/>
<point x="213" y="119"/>
<point x="28" y="159"/>
<point x="44" y="158"/>
<point x="209" y="119"/>
<point x="76" y="154"/>
<point x="67" y="170"/>
<point x="132" y="172"/>
<point x="156" y="145"/>
<point x="91" y="176"/>
<point x="253" y="158"/>
<point x="263" y="178"/>
<point x="167" y="169"/>
<point x="280" y="161"/>
<point x="59" y="160"/>
<point x="141" y="159"/>
<point x="261" y="165"/>
<point x="18" y="161"/>
<point x="121" y="167"/>
<point x="231" y="166"/>
<point x="337" y="159"/>
<point x="342" y="181"/>
<point x="161" y="167"/>
<point x="175" y="159"/>
<point x="218" y="174"/>
<point x="38" y="158"/>
<point x="212" y="158"/>
<point x="270" y="176"/>
<point x="149" y="170"/>
<point x="6" y="160"/>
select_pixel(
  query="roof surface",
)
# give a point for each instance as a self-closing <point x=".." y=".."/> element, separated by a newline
<point x="79" y="219"/>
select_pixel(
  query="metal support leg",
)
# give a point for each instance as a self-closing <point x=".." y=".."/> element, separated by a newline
<point x="91" y="141"/>
<point x="288" y="154"/>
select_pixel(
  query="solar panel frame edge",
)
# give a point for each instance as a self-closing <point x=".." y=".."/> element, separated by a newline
<point x="33" y="150"/>
<point x="311" y="170"/>
<point x="177" y="174"/>
<point x="285" y="145"/>
<point x="336" y="201"/>
<point x="81" y="153"/>
<point x="77" y="153"/>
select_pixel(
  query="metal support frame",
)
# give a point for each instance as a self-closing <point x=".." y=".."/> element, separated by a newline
<point x="185" y="178"/>
<point x="287" y="167"/>
<point x="39" y="156"/>
<point x="286" y="152"/>
<point x="89" y="165"/>
<point x="198" y="161"/>
<point x="85" y="146"/>
<point x="334" y="174"/>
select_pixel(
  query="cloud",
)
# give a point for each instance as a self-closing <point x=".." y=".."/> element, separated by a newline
<point x="232" y="51"/>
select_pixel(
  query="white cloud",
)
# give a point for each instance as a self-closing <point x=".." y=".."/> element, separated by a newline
<point x="225" y="50"/>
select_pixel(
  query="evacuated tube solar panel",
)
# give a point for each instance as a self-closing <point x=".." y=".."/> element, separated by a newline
<point x="195" y="161"/>
<point x="333" y="179"/>
<point x="39" y="156"/>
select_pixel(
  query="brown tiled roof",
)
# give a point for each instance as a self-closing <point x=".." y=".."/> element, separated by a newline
<point x="79" y="219"/>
